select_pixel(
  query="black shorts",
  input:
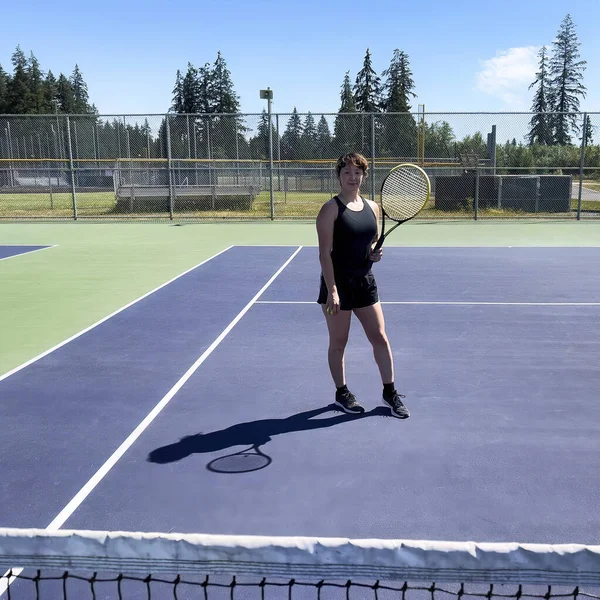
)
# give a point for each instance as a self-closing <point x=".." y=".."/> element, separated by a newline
<point x="355" y="291"/>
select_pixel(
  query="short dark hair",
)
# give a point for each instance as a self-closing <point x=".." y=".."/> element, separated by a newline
<point x="352" y="158"/>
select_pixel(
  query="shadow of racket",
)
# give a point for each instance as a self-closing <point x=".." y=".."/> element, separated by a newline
<point x="245" y="461"/>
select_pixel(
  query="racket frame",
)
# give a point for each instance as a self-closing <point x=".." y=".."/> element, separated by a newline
<point x="384" y="213"/>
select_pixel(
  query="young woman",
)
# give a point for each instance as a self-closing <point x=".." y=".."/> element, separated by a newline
<point x="347" y="229"/>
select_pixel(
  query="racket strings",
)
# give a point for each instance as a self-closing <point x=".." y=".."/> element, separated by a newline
<point x="404" y="193"/>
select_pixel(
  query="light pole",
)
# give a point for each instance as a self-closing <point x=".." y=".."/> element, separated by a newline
<point x="268" y="96"/>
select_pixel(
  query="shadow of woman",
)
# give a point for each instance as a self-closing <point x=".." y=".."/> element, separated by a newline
<point x="253" y="433"/>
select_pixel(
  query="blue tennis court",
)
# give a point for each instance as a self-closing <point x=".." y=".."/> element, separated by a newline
<point x="10" y="251"/>
<point x="141" y="422"/>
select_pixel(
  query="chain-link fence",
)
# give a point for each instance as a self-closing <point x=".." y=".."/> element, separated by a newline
<point x="224" y="166"/>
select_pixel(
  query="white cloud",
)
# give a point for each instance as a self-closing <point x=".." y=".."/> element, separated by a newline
<point x="508" y="75"/>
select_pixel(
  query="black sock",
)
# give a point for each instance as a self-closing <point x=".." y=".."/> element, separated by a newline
<point x="388" y="388"/>
<point x="343" y="389"/>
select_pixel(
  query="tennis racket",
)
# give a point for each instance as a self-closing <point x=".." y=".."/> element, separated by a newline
<point x="404" y="193"/>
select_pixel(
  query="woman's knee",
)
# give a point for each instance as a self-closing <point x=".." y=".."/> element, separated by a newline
<point x="378" y="338"/>
<point x="338" y="342"/>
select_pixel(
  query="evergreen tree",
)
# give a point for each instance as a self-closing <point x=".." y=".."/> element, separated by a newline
<point x="323" y="139"/>
<point x="177" y="101"/>
<point x="399" y="129"/>
<point x="348" y="105"/>
<point x="3" y="91"/>
<point x="367" y="96"/>
<point x="367" y="88"/>
<point x="541" y="123"/>
<point x="259" y="145"/>
<point x="309" y="138"/>
<point x="19" y="97"/>
<point x="345" y="126"/>
<point x="227" y="130"/>
<point x="190" y="92"/>
<point x="50" y="91"/>
<point x="80" y="92"/>
<point x="399" y="84"/>
<point x="290" y="140"/>
<point x="223" y="98"/>
<point x="566" y="74"/>
<point x="64" y="95"/>
<point x="205" y="100"/>
<point x="36" y="84"/>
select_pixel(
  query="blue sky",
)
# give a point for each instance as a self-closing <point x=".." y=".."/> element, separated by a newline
<point x="465" y="55"/>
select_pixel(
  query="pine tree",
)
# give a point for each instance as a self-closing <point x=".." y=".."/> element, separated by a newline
<point x="399" y="84"/>
<point x="223" y="98"/>
<point x="64" y="95"/>
<point x="19" y="97"/>
<point x="190" y="92"/>
<point x="50" y="90"/>
<point x="541" y="123"/>
<point x="177" y="100"/>
<point x="367" y="88"/>
<point x="566" y="74"/>
<point x="204" y="78"/>
<point x="348" y="105"/>
<point x="323" y="138"/>
<point x="309" y="138"/>
<point x="80" y="92"/>
<point x="367" y="96"/>
<point x="36" y="84"/>
<point x="290" y="140"/>
<point x="3" y="91"/>
<point x="345" y="126"/>
<point x="400" y="130"/>
<point x="259" y="145"/>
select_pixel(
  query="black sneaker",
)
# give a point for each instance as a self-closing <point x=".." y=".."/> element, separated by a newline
<point x="348" y="403"/>
<point x="394" y="402"/>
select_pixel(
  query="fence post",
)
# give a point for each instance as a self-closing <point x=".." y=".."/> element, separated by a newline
<point x="271" y="158"/>
<point x="169" y="167"/>
<point x="476" y="195"/>
<point x="373" y="157"/>
<point x="581" y="163"/>
<point x="71" y="168"/>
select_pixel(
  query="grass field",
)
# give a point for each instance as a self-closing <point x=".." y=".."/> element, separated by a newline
<point x="290" y="205"/>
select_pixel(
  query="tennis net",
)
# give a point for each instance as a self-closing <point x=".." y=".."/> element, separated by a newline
<point x="94" y="564"/>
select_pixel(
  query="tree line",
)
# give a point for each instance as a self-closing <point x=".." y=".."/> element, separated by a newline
<point x="374" y="114"/>
<point x="30" y="91"/>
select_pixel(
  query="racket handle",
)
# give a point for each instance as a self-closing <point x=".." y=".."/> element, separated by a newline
<point x="379" y="243"/>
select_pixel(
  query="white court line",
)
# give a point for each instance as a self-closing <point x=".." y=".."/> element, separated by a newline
<point x="26" y="252"/>
<point x="86" y="490"/>
<point x="75" y="336"/>
<point x="450" y="303"/>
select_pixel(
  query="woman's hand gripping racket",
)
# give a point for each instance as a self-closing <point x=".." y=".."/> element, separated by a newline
<point x="404" y="194"/>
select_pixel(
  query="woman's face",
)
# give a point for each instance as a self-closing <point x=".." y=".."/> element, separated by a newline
<point x="351" y="178"/>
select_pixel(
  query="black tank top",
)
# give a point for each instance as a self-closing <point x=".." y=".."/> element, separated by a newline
<point x="353" y="234"/>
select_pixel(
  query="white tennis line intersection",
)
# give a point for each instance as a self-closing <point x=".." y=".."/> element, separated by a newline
<point x="86" y="490"/>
